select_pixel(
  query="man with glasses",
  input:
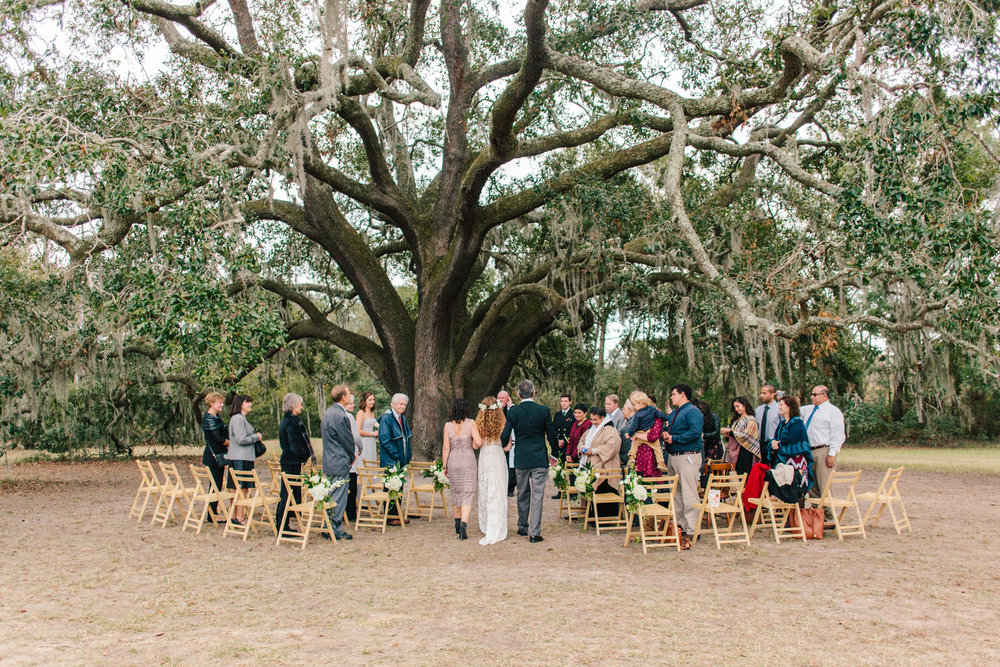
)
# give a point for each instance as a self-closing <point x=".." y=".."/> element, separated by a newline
<point x="825" y="426"/>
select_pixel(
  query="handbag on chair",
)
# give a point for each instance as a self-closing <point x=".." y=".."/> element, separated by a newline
<point x="812" y="519"/>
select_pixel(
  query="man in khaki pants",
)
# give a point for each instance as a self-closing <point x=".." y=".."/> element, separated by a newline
<point x="825" y="426"/>
<point x="682" y="433"/>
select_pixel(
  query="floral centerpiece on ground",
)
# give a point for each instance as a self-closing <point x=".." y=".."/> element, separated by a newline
<point x="559" y="476"/>
<point x="320" y="487"/>
<point x="436" y="473"/>
<point x="394" y="479"/>
<point x="635" y="493"/>
<point x="585" y="478"/>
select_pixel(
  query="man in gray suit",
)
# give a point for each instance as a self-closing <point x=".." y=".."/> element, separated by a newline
<point x="531" y="424"/>
<point x="614" y="411"/>
<point x="341" y="445"/>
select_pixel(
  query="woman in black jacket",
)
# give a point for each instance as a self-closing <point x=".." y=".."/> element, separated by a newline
<point x="216" y="443"/>
<point x="296" y="448"/>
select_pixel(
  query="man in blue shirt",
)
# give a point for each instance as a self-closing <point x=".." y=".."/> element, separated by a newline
<point x="682" y="433"/>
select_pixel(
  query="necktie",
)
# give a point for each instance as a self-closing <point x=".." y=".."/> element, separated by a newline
<point x="763" y="423"/>
<point x="811" y="415"/>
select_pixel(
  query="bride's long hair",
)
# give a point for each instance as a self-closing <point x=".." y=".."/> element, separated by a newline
<point x="490" y="421"/>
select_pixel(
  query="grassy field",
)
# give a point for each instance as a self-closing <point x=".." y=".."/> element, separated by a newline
<point x="984" y="460"/>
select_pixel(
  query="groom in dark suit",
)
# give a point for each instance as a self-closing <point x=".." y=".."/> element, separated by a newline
<point x="531" y="424"/>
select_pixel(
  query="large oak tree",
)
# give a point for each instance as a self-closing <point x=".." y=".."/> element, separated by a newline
<point x="355" y="147"/>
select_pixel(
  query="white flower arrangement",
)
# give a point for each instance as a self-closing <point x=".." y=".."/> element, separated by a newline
<point x="585" y="478"/>
<point x="394" y="479"/>
<point x="557" y="473"/>
<point x="436" y="473"/>
<point x="635" y="493"/>
<point x="484" y="408"/>
<point x="321" y="487"/>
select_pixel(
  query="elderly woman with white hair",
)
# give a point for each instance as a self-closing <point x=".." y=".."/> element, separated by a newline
<point x="394" y="442"/>
<point x="296" y="447"/>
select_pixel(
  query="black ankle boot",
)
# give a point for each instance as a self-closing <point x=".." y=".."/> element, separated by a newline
<point x="458" y="523"/>
<point x="461" y="531"/>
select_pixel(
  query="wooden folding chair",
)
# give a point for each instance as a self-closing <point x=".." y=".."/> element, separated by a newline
<point x="423" y="485"/>
<point x="569" y="498"/>
<point x="774" y="512"/>
<point x="373" y="500"/>
<point x="590" y="515"/>
<point x="149" y="487"/>
<point x="838" y="497"/>
<point x="885" y="496"/>
<point x="311" y="519"/>
<point x="205" y="492"/>
<point x="661" y="492"/>
<point x="254" y="500"/>
<point x="174" y="493"/>
<point x="730" y="505"/>
<point x="274" y="488"/>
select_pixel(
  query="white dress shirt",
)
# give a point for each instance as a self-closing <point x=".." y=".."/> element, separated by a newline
<point x="767" y="430"/>
<point x="826" y="427"/>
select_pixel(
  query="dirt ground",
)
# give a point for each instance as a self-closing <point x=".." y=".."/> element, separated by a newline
<point x="82" y="584"/>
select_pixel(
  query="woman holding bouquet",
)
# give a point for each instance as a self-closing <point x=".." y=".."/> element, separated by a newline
<point x="492" y="472"/>
<point x="461" y="438"/>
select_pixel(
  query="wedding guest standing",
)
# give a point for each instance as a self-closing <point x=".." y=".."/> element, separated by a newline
<point x="628" y="410"/>
<point x="242" y="436"/>
<point x="216" y="442"/>
<point x="341" y="443"/>
<point x="766" y="414"/>
<point x="563" y="421"/>
<point x="710" y="431"/>
<point x="296" y="449"/>
<point x="612" y="410"/>
<point x="365" y="423"/>
<point x="394" y="436"/>
<point x="743" y="445"/>
<point x="503" y="399"/>
<point x="790" y="444"/>
<point x="601" y="446"/>
<point x="461" y="439"/>
<point x="492" y="473"/>
<point x="825" y="426"/>
<point x="683" y="437"/>
<point x="579" y="428"/>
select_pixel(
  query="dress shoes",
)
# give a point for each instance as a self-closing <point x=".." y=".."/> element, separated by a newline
<point x="522" y="533"/>
<point x="555" y="496"/>
<point x="345" y="536"/>
<point x="535" y="538"/>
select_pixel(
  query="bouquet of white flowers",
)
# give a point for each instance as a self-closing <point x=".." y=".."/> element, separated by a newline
<point x="394" y="479"/>
<point x="585" y="478"/>
<point x="320" y="487"/>
<point x="558" y="475"/>
<point x="436" y="473"/>
<point x="635" y="493"/>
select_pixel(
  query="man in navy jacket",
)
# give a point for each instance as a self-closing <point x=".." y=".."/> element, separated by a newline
<point x="682" y="433"/>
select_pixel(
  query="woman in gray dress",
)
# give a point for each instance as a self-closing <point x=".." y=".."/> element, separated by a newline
<point x="461" y="439"/>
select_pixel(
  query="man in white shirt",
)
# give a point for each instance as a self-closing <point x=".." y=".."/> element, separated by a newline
<point x="503" y="398"/>
<point x="825" y="426"/>
<point x="767" y="414"/>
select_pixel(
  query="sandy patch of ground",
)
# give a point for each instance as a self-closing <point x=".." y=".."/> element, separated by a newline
<point x="81" y="584"/>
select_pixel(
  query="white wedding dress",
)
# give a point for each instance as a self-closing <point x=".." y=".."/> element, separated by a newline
<point x="492" y="492"/>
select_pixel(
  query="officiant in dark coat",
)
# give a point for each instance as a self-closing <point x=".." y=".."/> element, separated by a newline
<point x="531" y="424"/>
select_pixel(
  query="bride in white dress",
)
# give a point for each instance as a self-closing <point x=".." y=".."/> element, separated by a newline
<point x="492" y="473"/>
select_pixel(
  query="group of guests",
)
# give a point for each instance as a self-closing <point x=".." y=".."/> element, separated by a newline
<point x="348" y="439"/>
<point x="517" y="443"/>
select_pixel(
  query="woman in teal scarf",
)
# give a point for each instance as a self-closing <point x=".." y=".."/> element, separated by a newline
<point x="791" y="442"/>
